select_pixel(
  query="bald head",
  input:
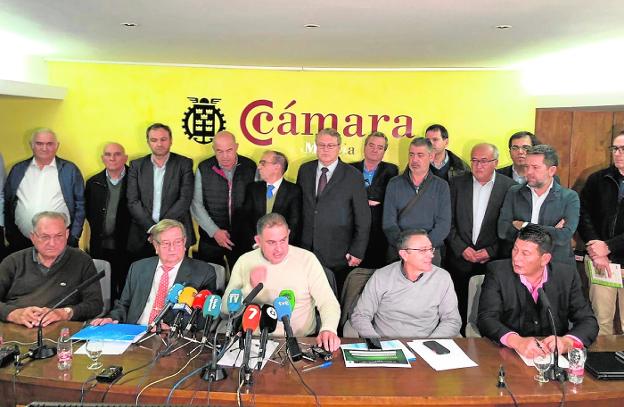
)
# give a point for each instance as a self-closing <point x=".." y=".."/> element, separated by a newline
<point x="114" y="159"/>
<point x="225" y="148"/>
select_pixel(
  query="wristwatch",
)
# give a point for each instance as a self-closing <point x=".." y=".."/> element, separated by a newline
<point x="69" y="311"/>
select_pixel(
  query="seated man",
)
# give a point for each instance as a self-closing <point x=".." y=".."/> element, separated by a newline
<point x="508" y="307"/>
<point x="280" y="266"/>
<point x="149" y="280"/>
<point x="410" y="298"/>
<point x="33" y="279"/>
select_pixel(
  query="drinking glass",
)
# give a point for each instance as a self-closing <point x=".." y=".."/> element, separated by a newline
<point x="542" y="364"/>
<point x="94" y="350"/>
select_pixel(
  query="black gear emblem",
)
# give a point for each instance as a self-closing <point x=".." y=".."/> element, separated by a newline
<point x="203" y="120"/>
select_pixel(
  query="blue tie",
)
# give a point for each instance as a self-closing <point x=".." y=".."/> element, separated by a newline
<point x="270" y="189"/>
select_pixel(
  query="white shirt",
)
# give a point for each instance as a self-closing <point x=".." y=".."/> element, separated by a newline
<point x="144" y="319"/>
<point x="159" y="179"/>
<point x="330" y="170"/>
<point x="537" y="202"/>
<point x="517" y="177"/>
<point x="480" y="198"/>
<point x="40" y="190"/>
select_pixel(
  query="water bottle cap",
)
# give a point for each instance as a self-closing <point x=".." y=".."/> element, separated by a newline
<point x="578" y="345"/>
<point x="64" y="331"/>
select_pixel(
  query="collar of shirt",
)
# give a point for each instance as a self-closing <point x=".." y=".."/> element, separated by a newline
<point x="331" y="167"/>
<point x="116" y="181"/>
<point x="41" y="266"/>
<point x="174" y="268"/>
<point x="164" y="164"/>
<point x="368" y="175"/>
<point x="276" y="185"/>
<point x="477" y="183"/>
<point x="516" y="177"/>
<point x="552" y="181"/>
<point x="33" y="163"/>
<point x="443" y="163"/>
<point x="529" y="286"/>
<point x="402" y="268"/>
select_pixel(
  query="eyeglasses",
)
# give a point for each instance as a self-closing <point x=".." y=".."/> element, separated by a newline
<point x="518" y="148"/>
<point x="265" y="162"/>
<point x="327" y="146"/>
<point x="49" y="238"/>
<point x="422" y="250"/>
<point x="168" y="245"/>
<point x="481" y="162"/>
<point x="619" y="149"/>
<point x="375" y="147"/>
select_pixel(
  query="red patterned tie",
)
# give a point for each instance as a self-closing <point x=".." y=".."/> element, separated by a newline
<point x="161" y="294"/>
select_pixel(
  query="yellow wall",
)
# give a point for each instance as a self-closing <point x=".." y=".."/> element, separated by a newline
<point x="116" y="102"/>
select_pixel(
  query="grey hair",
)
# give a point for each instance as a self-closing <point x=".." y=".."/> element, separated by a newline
<point x="490" y="145"/>
<point x="39" y="131"/>
<point x="329" y="132"/>
<point x="270" y="220"/>
<point x="164" y="225"/>
<point x="49" y="215"/>
<point x="406" y="235"/>
<point x="422" y="141"/>
<point x="550" y="154"/>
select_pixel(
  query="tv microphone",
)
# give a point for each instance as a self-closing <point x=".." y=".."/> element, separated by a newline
<point x="197" y="306"/>
<point x="282" y="307"/>
<point x="290" y="294"/>
<point x="211" y="311"/>
<point x="183" y="307"/>
<point x="557" y="373"/>
<point x="251" y="320"/>
<point x="41" y="351"/>
<point x="171" y="300"/>
<point x="268" y="323"/>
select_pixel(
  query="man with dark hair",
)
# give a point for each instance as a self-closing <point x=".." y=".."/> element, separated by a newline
<point x="272" y="194"/>
<point x="417" y="199"/>
<point x="511" y="311"/>
<point x="44" y="182"/>
<point x="220" y="184"/>
<point x="519" y="144"/>
<point x="410" y="298"/>
<point x="377" y="174"/>
<point x="336" y="218"/>
<point x="280" y="266"/>
<point x="602" y="228"/>
<point x="542" y="201"/>
<point x="107" y="212"/>
<point x="476" y="200"/>
<point x="160" y="186"/>
<point x="444" y="164"/>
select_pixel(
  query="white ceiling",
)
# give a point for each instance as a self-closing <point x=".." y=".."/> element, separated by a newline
<point x="353" y="33"/>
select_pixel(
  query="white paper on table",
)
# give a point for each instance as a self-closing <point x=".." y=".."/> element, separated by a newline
<point x="108" y="348"/>
<point x="563" y="362"/>
<point x="456" y="359"/>
<point x="385" y="345"/>
<point x="234" y="356"/>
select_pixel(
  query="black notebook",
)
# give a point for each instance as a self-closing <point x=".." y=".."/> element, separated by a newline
<point x="605" y="365"/>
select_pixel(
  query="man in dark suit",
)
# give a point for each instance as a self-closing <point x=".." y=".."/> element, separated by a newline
<point x="160" y="186"/>
<point x="519" y="143"/>
<point x="445" y="164"/>
<point x="142" y="297"/>
<point x="336" y="218"/>
<point x="377" y="174"/>
<point x="476" y="200"/>
<point x="511" y="310"/>
<point x="542" y="201"/>
<point x="107" y="212"/>
<point x="271" y="195"/>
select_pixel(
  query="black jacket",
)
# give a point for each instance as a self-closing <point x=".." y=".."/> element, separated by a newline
<point x="456" y="167"/>
<point x="601" y="212"/>
<point x="96" y="200"/>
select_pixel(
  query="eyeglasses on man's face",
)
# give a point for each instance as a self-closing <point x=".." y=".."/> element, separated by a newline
<point x="323" y="146"/>
<point x="518" y="148"/>
<point x="166" y="244"/>
<point x="481" y="162"/>
<point x="617" y="149"/>
<point x="421" y="250"/>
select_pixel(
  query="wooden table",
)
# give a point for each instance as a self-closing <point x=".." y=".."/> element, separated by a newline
<point x="280" y="385"/>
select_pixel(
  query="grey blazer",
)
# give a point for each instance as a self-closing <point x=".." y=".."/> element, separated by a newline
<point x="192" y="273"/>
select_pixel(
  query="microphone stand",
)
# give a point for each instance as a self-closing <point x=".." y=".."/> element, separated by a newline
<point x="556" y="372"/>
<point x="214" y="372"/>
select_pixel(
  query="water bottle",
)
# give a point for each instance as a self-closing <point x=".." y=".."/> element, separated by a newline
<point x="576" y="356"/>
<point x="64" y="350"/>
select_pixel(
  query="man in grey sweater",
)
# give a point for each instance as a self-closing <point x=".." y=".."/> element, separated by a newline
<point x="410" y="298"/>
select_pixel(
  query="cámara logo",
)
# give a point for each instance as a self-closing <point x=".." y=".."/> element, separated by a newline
<point x="203" y="120"/>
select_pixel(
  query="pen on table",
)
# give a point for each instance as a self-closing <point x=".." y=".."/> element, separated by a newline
<point x="539" y="345"/>
<point x="321" y="366"/>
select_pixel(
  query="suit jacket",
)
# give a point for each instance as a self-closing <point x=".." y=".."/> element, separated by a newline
<point x="561" y="203"/>
<point x="338" y="222"/>
<point x="506" y="305"/>
<point x="506" y="171"/>
<point x="177" y="194"/>
<point x="287" y="203"/>
<point x="192" y="273"/>
<point x="460" y="236"/>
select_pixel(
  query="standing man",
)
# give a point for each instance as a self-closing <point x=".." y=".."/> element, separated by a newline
<point x="220" y="184"/>
<point x="2" y="176"/>
<point x="544" y="202"/>
<point x="377" y="174"/>
<point x="417" y="200"/>
<point x="272" y="195"/>
<point x="43" y="182"/>
<point x="602" y="228"/>
<point x="476" y="200"/>
<point x="108" y="216"/>
<point x="160" y="186"/>
<point x="445" y="164"/>
<point x="336" y="218"/>
<point x="519" y="144"/>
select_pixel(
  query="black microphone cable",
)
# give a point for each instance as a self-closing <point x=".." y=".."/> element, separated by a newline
<point x="82" y="388"/>
<point x="308" y="388"/>
<point x="502" y="384"/>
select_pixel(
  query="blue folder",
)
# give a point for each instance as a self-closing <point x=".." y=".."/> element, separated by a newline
<point x="111" y="332"/>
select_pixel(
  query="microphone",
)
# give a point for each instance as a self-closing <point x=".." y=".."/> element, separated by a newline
<point x="234" y="304"/>
<point x="282" y="307"/>
<point x="172" y="298"/>
<point x="268" y="323"/>
<point x="185" y="301"/>
<point x="211" y="310"/>
<point x="557" y="373"/>
<point x="290" y="294"/>
<point x="41" y="351"/>
<point x="251" y="320"/>
<point x="198" y="305"/>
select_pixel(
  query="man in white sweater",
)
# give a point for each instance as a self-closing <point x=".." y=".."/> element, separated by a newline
<point x="410" y="298"/>
<point x="280" y="266"/>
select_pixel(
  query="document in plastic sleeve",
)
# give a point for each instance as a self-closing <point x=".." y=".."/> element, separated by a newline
<point x="600" y="277"/>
